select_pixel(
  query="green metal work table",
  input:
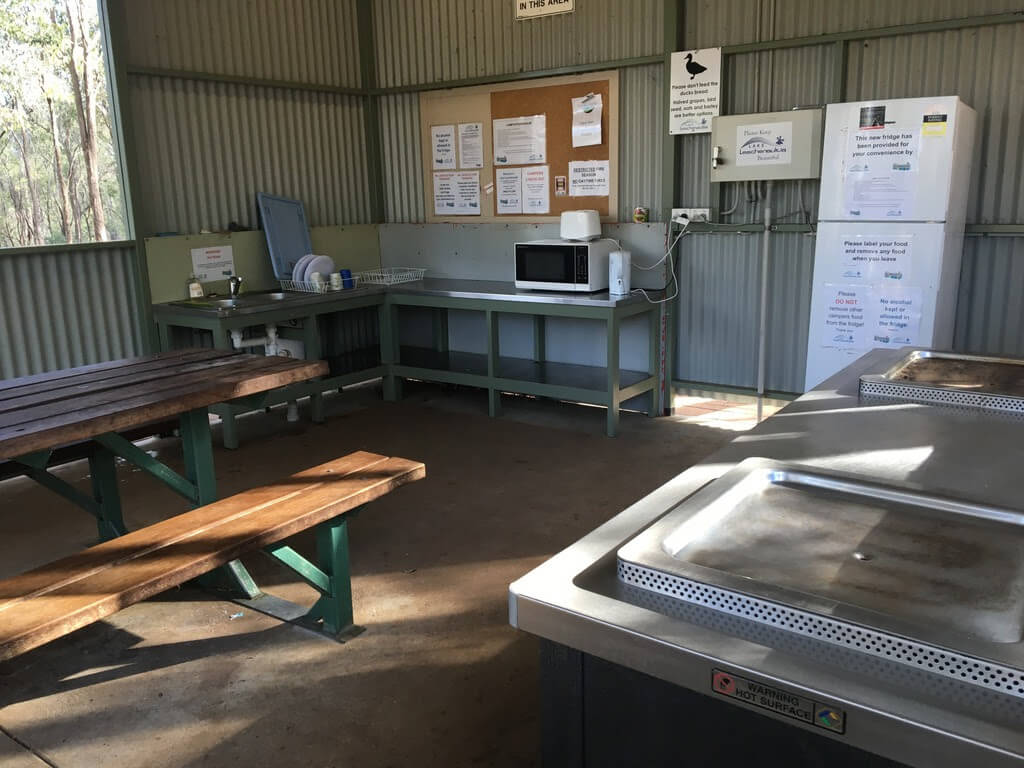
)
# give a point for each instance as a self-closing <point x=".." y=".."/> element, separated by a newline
<point x="607" y="385"/>
<point x="306" y="309"/>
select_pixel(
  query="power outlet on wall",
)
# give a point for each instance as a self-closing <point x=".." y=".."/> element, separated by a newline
<point x="691" y="214"/>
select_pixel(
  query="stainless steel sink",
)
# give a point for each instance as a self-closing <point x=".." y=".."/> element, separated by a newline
<point x="264" y="296"/>
<point x="886" y="570"/>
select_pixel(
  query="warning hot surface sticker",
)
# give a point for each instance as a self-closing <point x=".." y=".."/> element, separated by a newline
<point x="778" y="700"/>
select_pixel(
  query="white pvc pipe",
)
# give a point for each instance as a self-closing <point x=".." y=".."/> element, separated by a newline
<point x="269" y="340"/>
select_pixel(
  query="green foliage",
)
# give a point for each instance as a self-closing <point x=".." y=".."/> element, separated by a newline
<point x="42" y="176"/>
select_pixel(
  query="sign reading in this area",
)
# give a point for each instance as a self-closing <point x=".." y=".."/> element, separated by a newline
<point x="694" y="90"/>
<point x="531" y="9"/>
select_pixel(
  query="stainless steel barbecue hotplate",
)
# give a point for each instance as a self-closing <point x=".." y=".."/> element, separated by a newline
<point x="927" y="581"/>
<point x="945" y="378"/>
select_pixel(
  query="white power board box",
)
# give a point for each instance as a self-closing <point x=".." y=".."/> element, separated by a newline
<point x="767" y="146"/>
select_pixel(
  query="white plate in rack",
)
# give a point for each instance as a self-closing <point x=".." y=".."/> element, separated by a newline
<point x="300" y="267"/>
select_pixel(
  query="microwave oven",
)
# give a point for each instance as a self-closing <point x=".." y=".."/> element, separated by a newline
<point x="563" y="265"/>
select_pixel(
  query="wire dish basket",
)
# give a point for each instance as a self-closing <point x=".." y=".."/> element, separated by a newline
<point x="318" y="287"/>
<point x="392" y="275"/>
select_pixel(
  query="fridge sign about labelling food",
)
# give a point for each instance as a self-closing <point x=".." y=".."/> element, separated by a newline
<point x="216" y="263"/>
<point x="531" y="9"/>
<point x="877" y="259"/>
<point x="695" y="86"/>
<point x="442" y="141"/>
<point x="588" y="178"/>
<point x="764" y="144"/>
<point x="520" y="140"/>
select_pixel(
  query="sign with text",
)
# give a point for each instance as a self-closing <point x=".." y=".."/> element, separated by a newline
<point x="764" y="144"/>
<point x="531" y="9"/>
<point x="217" y="263"/>
<point x="694" y="90"/>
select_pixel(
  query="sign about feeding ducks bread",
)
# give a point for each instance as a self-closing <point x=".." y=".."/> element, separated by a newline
<point x="695" y="89"/>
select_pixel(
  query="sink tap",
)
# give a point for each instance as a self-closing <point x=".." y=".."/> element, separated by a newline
<point x="234" y="285"/>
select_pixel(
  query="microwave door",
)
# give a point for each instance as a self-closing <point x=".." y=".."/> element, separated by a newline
<point x="551" y="267"/>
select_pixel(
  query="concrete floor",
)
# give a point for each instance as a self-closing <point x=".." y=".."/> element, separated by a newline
<point x="437" y="679"/>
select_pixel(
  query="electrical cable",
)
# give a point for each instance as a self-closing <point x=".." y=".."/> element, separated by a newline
<point x="671" y="266"/>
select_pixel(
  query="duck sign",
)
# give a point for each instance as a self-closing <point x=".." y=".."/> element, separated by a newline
<point x="695" y="89"/>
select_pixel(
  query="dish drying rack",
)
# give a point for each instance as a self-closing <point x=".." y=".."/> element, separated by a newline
<point x="392" y="275"/>
<point x="385" y="276"/>
<point x="320" y="287"/>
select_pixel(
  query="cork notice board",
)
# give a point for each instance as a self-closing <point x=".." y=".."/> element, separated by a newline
<point x="551" y="97"/>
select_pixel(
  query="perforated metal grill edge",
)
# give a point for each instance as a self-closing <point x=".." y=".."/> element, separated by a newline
<point x="993" y="677"/>
<point x="939" y="396"/>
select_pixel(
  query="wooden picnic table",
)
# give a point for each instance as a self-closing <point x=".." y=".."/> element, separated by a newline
<point x="94" y="403"/>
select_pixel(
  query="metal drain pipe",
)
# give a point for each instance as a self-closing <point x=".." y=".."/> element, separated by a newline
<point x="762" y="340"/>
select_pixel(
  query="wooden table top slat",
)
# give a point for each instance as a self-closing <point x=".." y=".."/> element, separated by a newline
<point x="112" y="409"/>
<point x="75" y="391"/>
<point x="42" y="381"/>
<point x="101" y="393"/>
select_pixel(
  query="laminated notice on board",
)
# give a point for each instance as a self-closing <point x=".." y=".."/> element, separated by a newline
<point x="520" y="140"/>
<point x="536" y="190"/>
<point x="586" y="120"/>
<point x="588" y="178"/>
<point x="442" y="142"/>
<point x="510" y="190"/>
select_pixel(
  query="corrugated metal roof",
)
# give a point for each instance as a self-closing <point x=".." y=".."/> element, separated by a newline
<point x="423" y="41"/>
<point x="205" y="149"/>
<point x="311" y="41"/>
<point x="67" y="308"/>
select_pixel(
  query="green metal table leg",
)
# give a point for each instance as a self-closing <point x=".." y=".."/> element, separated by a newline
<point x="164" y="336"/>
<point x="197" y="447"/>
<point x="316" y="408"/>
<point x="334" y="607"/>
<point x="539" y="338"/>
<point x="493" y="353"/>
<point x="613" y="375"/>
<point x="228" y="426"/>
<point x="103" y="471"/>
<point x="389" y="349"/>
<point x="440" y="331"/>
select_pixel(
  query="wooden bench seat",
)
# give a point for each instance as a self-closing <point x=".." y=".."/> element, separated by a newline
<point x="55" y="599"/>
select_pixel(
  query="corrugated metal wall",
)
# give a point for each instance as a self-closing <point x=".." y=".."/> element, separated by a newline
<point x="427" y="41"/>
<point x="206" y="148"/>
<point x="308" y="41"/>
<point x="719" y="272"/>
<point x="401" y="158"/>
<point x="64" y="308"/>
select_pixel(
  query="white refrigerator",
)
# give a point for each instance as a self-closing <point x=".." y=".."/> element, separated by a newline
<point x="894" y="182"/>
